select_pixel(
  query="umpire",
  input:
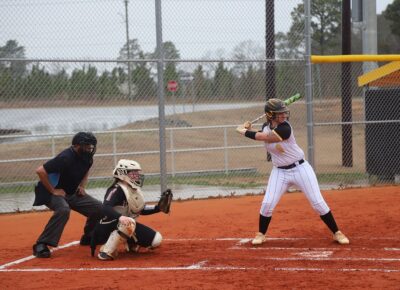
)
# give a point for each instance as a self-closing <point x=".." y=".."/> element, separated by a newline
<point x="62" y="188"/>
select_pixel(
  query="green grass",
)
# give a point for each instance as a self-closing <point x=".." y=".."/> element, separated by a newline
<point x="234" y="179"/>
<point x="215" y="179"/>
<point x="343" y="178"/>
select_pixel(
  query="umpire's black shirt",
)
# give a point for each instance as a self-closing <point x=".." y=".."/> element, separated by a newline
<point x="71" y="167"/>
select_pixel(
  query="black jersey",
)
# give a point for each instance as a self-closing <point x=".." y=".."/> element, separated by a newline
<point x="70" y="167"/>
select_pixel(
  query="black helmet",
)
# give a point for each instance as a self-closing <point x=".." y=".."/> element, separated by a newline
<point x="274" y="106"/>
<point x="84" y="138"/>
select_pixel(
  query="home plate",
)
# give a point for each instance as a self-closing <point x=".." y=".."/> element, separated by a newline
<point x="315" y="254"/>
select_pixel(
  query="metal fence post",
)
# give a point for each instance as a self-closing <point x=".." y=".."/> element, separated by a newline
<point x="309" y="84"/>
<point x="53" y="146"/>
<point x="171" y="137"/>
<point x="226" y="163"/>
<point x="114" y="138"/>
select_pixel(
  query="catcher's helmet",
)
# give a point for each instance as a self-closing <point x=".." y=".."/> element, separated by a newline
<point x="122" y="169"/>
<point x="274" y="106"/>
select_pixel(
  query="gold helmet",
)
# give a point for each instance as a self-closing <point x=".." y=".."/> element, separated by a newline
<point x="274" y="106"/>
<point x="122" y="169"/>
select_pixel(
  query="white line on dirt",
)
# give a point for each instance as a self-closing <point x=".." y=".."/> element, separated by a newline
<point x="331" y="259"/>
<point x="274" y="239"/>
<point x="197" y="268"/>
<point x="32" y="257"/>
<point x="188" y="268"/>
<point x="337" y="269"/>
<point x="240" y="241"/>
<point x="345" y="248"/>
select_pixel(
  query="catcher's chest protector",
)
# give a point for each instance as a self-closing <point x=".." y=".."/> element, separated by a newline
<point x="135" y="199"/>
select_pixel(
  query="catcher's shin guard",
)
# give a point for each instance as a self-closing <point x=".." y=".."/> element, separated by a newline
<point x="117" y="237"/>
<point x="156" y="240"/>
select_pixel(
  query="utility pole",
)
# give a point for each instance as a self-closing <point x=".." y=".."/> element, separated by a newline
<point x="270" y="49"/>
<point x="270" y="90"/>
<point x="128" y="50"/>
<point x="369" y="37"/>
<point x="161" y="97"/>
<point x="347" y="136"/>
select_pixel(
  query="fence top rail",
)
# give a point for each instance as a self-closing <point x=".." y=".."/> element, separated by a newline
<point x="59" y="135"/>
<point x="356" y="123"/>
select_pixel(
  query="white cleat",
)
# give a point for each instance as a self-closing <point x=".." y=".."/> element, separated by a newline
<point x="341" y="238"/>
<point x="259" y="239"/>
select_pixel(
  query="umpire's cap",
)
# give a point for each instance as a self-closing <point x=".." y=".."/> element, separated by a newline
<point x="84" y="138"/>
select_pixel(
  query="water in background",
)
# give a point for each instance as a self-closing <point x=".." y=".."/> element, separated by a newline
<point x="16" y="202"/>
<point x="70" y="120"/>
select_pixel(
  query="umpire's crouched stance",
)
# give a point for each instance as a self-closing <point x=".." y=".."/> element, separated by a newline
<point x="62" y="188"/>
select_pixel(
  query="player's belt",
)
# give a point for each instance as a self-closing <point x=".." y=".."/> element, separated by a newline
<point x="290" y="166"/>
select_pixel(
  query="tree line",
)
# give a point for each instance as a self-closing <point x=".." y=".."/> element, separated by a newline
<point x="24" y="80"/>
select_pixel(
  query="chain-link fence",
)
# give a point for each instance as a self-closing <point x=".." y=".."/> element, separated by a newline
<point x="72" y="66"/>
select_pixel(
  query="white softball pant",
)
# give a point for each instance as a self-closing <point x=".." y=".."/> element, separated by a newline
<point x="302" y="176"/>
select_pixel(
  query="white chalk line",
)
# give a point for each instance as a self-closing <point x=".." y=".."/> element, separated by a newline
<point x="240" y="241"/>
<point x="201" y="268"/>
<point x="346" y="248"/>
<point x="33" y="257"/>
<point x="331" y="259"/>
<point x="277" y="239"/>
<point x="337" y="270"/>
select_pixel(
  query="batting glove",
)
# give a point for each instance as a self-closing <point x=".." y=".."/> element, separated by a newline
<point x="241" y="130"/>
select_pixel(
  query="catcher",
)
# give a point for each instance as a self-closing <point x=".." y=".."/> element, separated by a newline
<point x="122" y="205"/>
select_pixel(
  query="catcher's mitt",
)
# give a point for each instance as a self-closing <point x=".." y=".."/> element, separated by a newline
<point x="164" y="204"/>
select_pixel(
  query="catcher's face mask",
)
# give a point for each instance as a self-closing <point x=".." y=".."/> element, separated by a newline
<point x="85" y="143"/>
<point x="136" y="177"/>
<point x="130" y="172"/>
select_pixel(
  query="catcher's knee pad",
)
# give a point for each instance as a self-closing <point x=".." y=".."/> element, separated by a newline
<point x="127" y="231"/>
<point x="156" y="240"/>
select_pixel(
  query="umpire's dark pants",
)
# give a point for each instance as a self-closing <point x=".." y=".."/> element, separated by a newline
<point x="85" y="205"/>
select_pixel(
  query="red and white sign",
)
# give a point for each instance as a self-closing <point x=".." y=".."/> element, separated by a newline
<point x="172" y="86"/>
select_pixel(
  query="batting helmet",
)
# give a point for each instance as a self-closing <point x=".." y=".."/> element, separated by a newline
<point x="122" y="169"/>
<point x="274" y="106"/>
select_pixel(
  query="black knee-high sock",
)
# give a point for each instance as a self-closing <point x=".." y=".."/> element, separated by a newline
<point x="329" y="220"/>
<point x="263" y="224"/>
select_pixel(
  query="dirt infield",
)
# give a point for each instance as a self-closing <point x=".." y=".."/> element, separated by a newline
<point x="207" y="246"/>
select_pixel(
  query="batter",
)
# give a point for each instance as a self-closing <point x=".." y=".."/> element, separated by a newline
<point x="289" y="168"/>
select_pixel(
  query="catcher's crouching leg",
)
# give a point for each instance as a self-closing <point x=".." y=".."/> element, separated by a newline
<point x="156" y="241"/>
<point x="109" y="250"/>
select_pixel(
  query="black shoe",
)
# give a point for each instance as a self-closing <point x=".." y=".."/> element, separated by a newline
<point x="103" y="256"/>
<point x="85" y="240"/>
<point x="41" y="251"/>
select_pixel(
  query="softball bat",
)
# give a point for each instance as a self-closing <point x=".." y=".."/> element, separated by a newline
<point x="287" y="102"/>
